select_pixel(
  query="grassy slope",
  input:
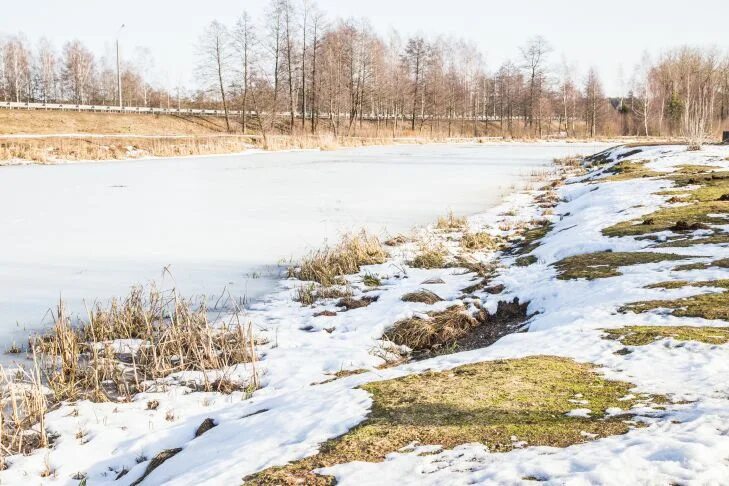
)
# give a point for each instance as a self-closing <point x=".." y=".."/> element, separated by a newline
<point x="56" y="122"/>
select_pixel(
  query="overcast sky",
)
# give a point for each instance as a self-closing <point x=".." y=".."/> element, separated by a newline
<point x="610" y="35"/>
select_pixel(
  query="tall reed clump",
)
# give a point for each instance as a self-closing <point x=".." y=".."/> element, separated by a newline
<point x="451" y="222"/>
<point x="125" y="347"/>
<point x="22" y="413"/>
<point x="328" y="265"/>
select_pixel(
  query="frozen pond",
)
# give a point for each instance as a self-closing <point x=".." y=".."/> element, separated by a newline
<point x="90" y="231"/>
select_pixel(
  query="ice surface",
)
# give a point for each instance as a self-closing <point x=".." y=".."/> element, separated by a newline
<point x="91" y="230"/>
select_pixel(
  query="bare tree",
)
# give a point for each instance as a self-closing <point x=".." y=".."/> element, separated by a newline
<point x="144" y="63"/>
<point x="77" y="72"/>
<point x="214" y="61"/>
<point x="46" y="71"/>
<point x="414" y="58"/>
<point x="594" y="101"/>
<point x="287" y="12"/>
<point x="17" y="62"/>
<point x="244" y="40"/>
<point x="534" y="59"/>
<point x="642" y="82"/>
<point x="317" y="25"/>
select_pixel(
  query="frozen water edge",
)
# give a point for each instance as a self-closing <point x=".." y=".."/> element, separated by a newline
<point x="688" y="443"/>
<point x="222" y="223"/>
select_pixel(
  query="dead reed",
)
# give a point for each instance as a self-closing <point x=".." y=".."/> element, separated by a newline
<point x="437" y="329"/>
<point x="429" y="257"/>
<point x="23" y="405"/>
<point x="123" y="348"/>
<point x="328" y="265"/>
<point x="451" y="222"/>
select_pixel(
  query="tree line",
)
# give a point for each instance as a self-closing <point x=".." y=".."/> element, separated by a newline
<point x="296" y="71"/>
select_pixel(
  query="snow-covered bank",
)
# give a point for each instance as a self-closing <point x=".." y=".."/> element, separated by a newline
<point x="298" y="407"/>
<point x="90" y="231"/>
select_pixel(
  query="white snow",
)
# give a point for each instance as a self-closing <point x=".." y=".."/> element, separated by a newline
<point x="294" y="412"/>
<point x="223" y="223"/>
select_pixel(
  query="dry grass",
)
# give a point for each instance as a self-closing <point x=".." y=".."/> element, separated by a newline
<point x="120" y="350"/>
<point x="350" y="303"/>
<point x="397" y="240"/>
<point x="451" y="222"/>
<point x="570" y="162"/>
<point x="324" y="141"/>
<point x="422" y="297"/>
<point x="328" y="265"/>
<point x="57" y="122"/>
<point x="53" y="149"/>
<point x="310" y="293"/>
<point x="480" y="241"/>
<point x="175" y="334"/>
<point x="429" y="257"/>
<point x="23" y="407"/>
<point x="437" y="329"/>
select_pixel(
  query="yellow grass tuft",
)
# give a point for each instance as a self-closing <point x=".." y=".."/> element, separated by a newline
<point x="328" y="265"/>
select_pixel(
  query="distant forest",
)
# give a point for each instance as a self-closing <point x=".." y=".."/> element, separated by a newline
<point x="296" y="71"/>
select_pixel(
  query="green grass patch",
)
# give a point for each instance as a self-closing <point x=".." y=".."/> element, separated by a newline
<point x="532" y="236"/>
<point x="642" y="335"/>
<point x="624" y="171"/>
<point x="706" y="306"/>
<point x="371" y="280"/>
<point x="676" y="284"/>
<point x="723" y="263"/>
<point x="525" y="261"/>
<point x="606" y="264"/>
<point x="694" y="169"/>
<point x="715" y="239"/>
<point x="706" y="200"/>
<point x="489" y="403"/>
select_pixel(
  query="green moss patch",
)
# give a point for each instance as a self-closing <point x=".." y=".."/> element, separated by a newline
<point x="490" y="403"/>
<point x="631" y="170"/>
<point x="593" y="266"/>
<point x="694" y="169"/>
<point x="716" y="239"/>
<point x="642" y="335"/>
<point x="723" y="263"/>
<point x="707" y="306"/>
<point x="702" y="203"/>
<point x="531" y="237"/>
<point x="525" y="261"/>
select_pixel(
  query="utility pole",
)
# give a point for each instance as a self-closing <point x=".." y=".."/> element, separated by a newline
<point x="118" y="69"/>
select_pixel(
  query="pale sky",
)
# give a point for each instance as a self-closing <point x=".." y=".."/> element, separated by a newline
<point x="609" y="35"/>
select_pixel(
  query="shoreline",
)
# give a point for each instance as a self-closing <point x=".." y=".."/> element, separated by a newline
<point x="582" y="253"/>
<point x="281" y="297"/>
<point x="320" y="143"/>
<point x="76" y="290"/>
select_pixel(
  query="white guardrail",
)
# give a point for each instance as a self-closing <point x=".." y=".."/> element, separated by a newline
<point x="12" y="105"/>
<point x="114" y="109"/>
